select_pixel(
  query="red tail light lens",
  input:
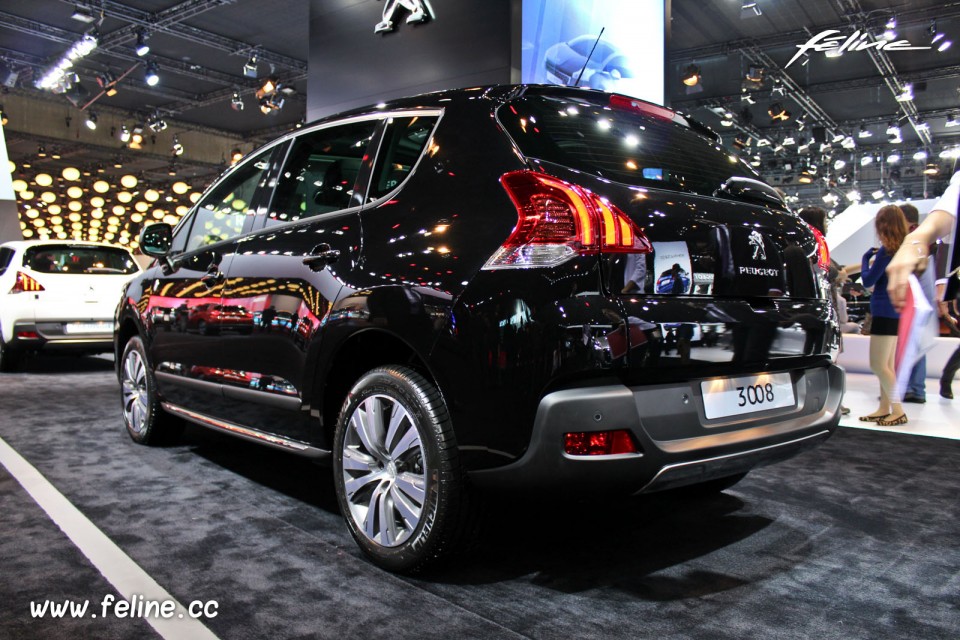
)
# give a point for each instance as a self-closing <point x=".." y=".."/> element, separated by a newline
<point x="598" y="443"/>
<point x="823" y="251"/>
<point x="558" y="220"/>
<point x="25" y="283"/>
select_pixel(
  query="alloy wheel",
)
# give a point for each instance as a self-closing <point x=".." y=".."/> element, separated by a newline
<point x="383" y="470"/>
<point x="135" y="393"/>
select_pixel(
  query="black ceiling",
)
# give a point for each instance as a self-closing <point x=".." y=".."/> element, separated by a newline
<point x="202" y="45"/>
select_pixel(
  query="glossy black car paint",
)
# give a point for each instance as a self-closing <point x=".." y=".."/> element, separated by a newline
<point x="405" y="284"/>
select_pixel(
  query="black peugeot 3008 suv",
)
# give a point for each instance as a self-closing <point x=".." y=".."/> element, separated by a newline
<point x="521" y="287"/>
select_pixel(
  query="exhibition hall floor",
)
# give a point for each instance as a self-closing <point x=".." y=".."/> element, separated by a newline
<point x="858" y="538"/>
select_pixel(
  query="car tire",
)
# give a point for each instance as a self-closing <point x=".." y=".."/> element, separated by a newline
<point x="10" y="359"/>
<point x="145" y="420"/>
<point x="397" y="472"/>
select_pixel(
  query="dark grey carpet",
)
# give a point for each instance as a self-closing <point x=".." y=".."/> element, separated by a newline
<point x="856" y="539"/>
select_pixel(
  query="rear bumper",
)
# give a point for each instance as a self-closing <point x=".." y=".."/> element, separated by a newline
<point x="53" y="336"/>
<point x="678" y="445"/>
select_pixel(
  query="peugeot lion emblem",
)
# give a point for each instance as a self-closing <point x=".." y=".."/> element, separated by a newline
<point x="420" y="11"/>
<point x="756" y="241"/>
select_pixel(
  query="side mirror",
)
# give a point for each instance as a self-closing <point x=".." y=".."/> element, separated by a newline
<point x="156" y="239"/>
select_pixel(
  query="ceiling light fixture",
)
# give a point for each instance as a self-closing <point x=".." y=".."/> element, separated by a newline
<point x="236" y="102"/>
<point x="691" y="75"/>
<point x="91" y="121"/>
<point x="749" y="8"/>
<point x="177" y="148"/>
<point x="920" y="155"/>
<point x="250" y="67"/>
<point x="864" y="132"/>
<point x="142" y="48"/>
<point x="58" y="75"/>
<point x="931" y="169"/>
<point x="889" y="29"/>
<point x="152" y="74"/>
<point x="778" y="112"/>
<point x="156" y="123"/>
<point x="906" y="94"/>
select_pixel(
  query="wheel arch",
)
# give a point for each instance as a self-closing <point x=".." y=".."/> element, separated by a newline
<point x="360" y="352"/>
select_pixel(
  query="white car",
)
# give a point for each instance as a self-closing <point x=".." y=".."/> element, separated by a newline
<point x="59" y="295"/>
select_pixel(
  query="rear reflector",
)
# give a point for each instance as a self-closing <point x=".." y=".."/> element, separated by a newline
<point x="28" y="335"/>
<point x="598" y="443"/>
<point x="558" y="220"/>
<point x="25" y="283"/>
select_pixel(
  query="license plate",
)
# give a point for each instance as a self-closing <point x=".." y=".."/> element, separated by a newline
<point x="726" y="397"/>
<point x="88" y="327"/>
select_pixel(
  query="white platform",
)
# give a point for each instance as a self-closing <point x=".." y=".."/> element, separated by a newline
<point x="856" y="356"/>
<point x="939" y="417"/>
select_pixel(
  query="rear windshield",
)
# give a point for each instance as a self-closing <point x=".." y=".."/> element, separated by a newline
<point x="620" y="145"/>
<point x="79" y="260"/>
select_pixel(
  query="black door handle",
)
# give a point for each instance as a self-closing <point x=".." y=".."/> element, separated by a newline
<point x="321" y="256"/>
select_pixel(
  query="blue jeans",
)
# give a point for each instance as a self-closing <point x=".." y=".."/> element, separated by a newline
<point x="918" y="379"/>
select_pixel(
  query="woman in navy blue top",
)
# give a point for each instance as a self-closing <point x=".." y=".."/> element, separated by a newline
<point x="891" y="226"/>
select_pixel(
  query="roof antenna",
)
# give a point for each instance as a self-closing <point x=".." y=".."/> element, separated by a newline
<point x="577" y="83"/>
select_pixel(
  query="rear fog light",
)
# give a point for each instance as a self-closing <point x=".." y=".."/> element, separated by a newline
<point x="598" y="443"/>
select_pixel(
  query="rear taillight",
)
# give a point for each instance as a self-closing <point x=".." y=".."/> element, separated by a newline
<point x="598" y="443"/>
<point x="25" y="283"/>
<point x="823" y="251"/>
<point x="558" y="220"/>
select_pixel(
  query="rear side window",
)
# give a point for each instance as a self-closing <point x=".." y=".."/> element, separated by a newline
<point x="79" y="260"/>
<point x="625" y="146"/>
<point x="403" y="144"/>
<point x="321" y="172"/>
<point x="6" y="253"/>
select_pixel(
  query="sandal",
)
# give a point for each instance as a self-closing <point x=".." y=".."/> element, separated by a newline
<point x="873" y="418"/>
<point x="901" y="419"/>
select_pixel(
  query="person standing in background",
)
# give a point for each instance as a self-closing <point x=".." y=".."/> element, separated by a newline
<point x="817" y="218"/>
<point x="891" y="227"/>
<point x="917" y="386"/>
<point x="914" y="253"/>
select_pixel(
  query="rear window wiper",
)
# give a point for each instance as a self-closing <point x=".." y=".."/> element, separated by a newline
<point x="750" y="190"/>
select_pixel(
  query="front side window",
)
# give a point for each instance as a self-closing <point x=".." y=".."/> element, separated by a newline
<point x="405" y="140"/>
<point x="321" y="172"/>
<point x="220" y="215"/>
<point x="6" y="253"/>
<point x="79" y="260"/>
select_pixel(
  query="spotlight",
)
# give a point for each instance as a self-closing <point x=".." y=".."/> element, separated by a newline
<point x="177" y="148"/>
<point x="848" y="143"/>
<point x="893" y="130"/>
<point x="789" y="140"/>
<point x="746" y="97"/>
<point x="107" y="82"/>
<point x="853" y="195"/>
<point x="778" y="112"/>
<point x="749" y="9"/>
<point x="124" y="133"/>
<point x="91" y="121"/>
<point x="726" y="120"/>
<point x="136" y="137"/>
<point x="906" y="94"/>
<point x="864" y="132"/>
<point x="269" y="87"/>
<point x="236" y="102"/>
<point x="41" y="151"/>
<point x="931" y="169"/>
<point x="893" y="158"/>
<point x="953" y="120"/>
<point x="889" y="32"/>
<point x="152" y="75"/>
<point x="691" y="75"/>
<point x="3" y="116"/>
<point x="271" y="104"/>
<point x="866" y="160"/>
<point x="935" y="36"/>
<point x="878" y="194"/>
<point x="755" y="76"/>
<point x="838" y="137"/>
<point x="142" y="48"/>
<point x="156" y="123"/>
<point x="58" y="77"/>
<point x="235" y="156"/>
<point x="82" y="14"/>
<point x="777" y="89"/>
<point x="839" y="164"/>
<point x="920" y="155"/>
<point x="250" y="68"/>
